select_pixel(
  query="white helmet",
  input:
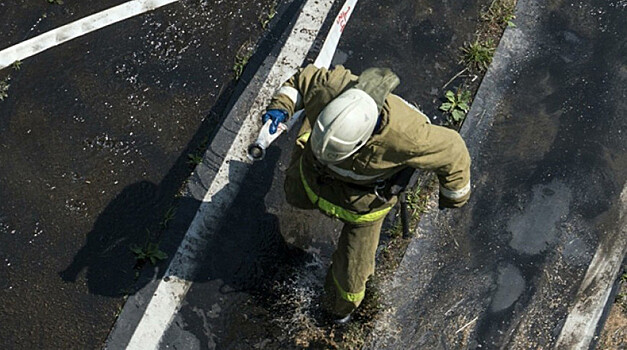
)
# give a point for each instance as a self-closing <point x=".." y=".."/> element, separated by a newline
<point x="344" y="126"/>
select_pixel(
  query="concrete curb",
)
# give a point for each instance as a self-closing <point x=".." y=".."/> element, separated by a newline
<point x="584" y="317"/>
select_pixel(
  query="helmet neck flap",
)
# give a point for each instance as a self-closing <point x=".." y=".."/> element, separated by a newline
<point x="348" y="121"/>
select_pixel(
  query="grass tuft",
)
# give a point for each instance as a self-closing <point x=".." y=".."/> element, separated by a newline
<point x="477" y="56"/>
<point x="500" y="14"/>
<point x="4" y="88"/>
<point x="266" y="17"/>
<point x="241" y="58"/>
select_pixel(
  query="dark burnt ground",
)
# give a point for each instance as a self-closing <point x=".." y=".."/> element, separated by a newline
<point x="546" y="137"/>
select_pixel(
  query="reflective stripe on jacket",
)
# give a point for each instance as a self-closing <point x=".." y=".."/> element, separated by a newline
<point x="338" y="211"/>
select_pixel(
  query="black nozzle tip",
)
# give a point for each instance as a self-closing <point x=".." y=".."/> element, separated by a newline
<point x="255" y="152"/>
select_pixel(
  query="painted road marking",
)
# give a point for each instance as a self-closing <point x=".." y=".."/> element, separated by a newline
<point x="171" y="290"/>
<point x="77" y="28"/>
<point x="595" y="289"/>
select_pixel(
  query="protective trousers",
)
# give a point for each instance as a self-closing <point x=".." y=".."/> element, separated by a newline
<point x="353" y="261"/>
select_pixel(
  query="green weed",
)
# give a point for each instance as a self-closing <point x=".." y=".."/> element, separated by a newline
<point x="241" y="59"/>
<point x="500" y="14"/>
<point x="478" y="55"/>
<point x="417" y="201"/>
<point x="57" y="2"/>
<point x="240" y="63"/>
<point x="265" y="18"/>
<point x="148" y="252"/>
<point x="169" y="216"/>
<point x="17" y="65"/>
<point x="456" y="105"/>
<point x="194" y="159"/>
<point x="396" y="231"/>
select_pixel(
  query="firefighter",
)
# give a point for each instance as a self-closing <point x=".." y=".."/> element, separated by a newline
<point x="356" y="135"/>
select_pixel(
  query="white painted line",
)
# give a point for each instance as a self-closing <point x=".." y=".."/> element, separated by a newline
<point x="594" y="292"/>
<point x="171" y="290"/>
<point x="77" y="28"/>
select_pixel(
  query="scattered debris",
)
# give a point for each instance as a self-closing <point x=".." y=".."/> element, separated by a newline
<point x="467" y="324"/>
<point x="4" y="88"/>
<point x="614" y="334"/>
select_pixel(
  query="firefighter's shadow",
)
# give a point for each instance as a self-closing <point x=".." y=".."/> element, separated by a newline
<point x="248" y="249"/>
<point x="107" y="259"/>
<point x="244" y="249"/>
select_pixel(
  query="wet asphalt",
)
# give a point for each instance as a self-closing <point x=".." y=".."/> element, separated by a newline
<point x="95" y="138"/>
<point x="549" y="165"/>
<point x="548" y="168"/>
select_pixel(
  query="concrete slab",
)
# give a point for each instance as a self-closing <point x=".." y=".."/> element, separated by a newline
<point x="546" y="129"/>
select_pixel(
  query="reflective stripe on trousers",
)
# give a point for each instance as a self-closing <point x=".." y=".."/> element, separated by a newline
<point x="337" y="211"/>
<point x="352" y="297"/>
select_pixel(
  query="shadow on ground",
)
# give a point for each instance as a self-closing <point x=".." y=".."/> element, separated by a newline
<point x="138" y="216"/>
<point x="247" y="250"/>
<point x="141" y="213"/>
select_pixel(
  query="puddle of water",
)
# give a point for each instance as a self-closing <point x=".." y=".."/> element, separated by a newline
<point x="510" y="285"/>
<point x="536" y="227"/>
<point x="297" y="310"/>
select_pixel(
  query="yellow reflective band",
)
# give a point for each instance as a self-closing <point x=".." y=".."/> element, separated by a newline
<point x="337" y="211"/>
<point x="303" y="138"/>
<point x="352" y="297"/>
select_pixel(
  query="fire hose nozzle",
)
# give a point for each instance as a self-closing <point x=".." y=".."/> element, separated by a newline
<point x="257" y="150"/>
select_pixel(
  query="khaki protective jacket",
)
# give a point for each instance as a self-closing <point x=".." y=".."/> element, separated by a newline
<point x="405" y="138"/>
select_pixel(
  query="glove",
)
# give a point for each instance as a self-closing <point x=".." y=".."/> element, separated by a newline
<point x="277" y="116"/>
